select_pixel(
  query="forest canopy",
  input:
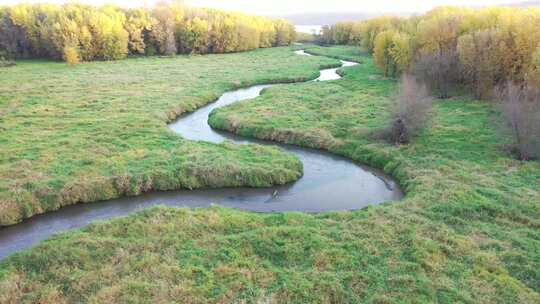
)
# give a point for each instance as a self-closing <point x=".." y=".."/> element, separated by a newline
<point x="76" y="32"/>
<point x="480" y="48"/>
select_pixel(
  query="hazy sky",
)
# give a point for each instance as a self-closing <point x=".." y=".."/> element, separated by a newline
<point x="267" y="7"/>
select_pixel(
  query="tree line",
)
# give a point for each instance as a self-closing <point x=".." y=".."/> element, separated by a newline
<point x="76" y="32"/>
<point x="494" y="52"/>
<point x="479" y="48"/>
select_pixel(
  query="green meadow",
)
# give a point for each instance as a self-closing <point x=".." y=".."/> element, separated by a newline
<point x="468" y="230"/>
<point x="97" y="131"/>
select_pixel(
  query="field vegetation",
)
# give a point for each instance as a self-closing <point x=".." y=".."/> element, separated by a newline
<point x="467" y="231"/>
<point x="98" y="130"/>
<point x="486" y="51"/>
<point x="456" y="176"/>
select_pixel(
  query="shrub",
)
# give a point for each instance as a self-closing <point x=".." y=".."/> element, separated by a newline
<point x="70" y="55"/>
<point x="521" y="109"/>
<point x="5" y="61"/>
<point x="412" y="109"/>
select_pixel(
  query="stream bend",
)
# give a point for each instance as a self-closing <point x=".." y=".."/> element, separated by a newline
<point x="329" y="183"/>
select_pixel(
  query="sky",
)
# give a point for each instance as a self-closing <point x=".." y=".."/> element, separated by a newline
<point x="282" y="7"/>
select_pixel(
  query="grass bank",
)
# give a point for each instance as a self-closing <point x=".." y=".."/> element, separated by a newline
<point x="342" y="52"/>
<point x="467" y="231"/>
<point x="98" y="131"/>
<point x="457" y="177"/>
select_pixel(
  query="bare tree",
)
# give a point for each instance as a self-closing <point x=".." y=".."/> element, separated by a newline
<point x="521" y="109"/>
<point x="439" y="71"/>
<point x="411" y="111"/>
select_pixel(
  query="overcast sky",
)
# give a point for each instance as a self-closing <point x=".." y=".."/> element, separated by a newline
<point x="273" y="7"/>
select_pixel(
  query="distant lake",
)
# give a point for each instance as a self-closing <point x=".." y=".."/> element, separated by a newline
<point x="310" y="29"/>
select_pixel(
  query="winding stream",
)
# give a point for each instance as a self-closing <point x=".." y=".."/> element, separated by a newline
<point x="329" y="183"/>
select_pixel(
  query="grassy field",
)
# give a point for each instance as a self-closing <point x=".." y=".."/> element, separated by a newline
<point x="471" y="217"/>
<point x="343" y="52"/>
<point x="467" y="231"/>
<point x="97" y="131"/>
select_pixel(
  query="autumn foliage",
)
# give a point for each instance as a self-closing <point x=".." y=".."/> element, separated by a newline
<point x="477" y="48"/>
<point x="76" y="32"/>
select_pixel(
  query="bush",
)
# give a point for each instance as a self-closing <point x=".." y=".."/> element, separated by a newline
<point x="4" y="61"/>
<point x="411" y="111"/>
<point x="521" y="109"/>
<point x="70" y="55"/>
